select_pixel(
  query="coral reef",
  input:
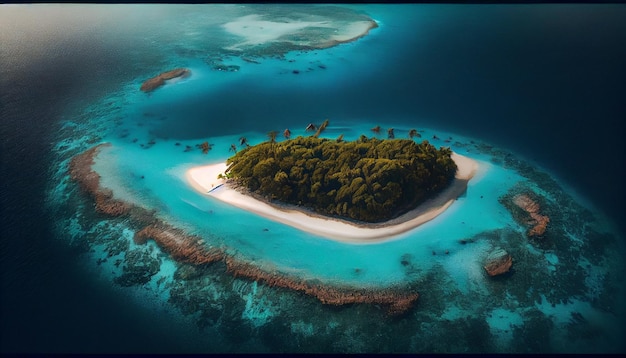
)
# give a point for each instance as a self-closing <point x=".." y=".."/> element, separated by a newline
<point x="158" y="81"/>
<point x="498" y="262"/>
<point x="397" y="302"/>
<point x="526" y="208"/>
<point x="183" y="248"/>
<point x="138" y="269"/>
<point x="538" y="221"/>
<point x="89" y="181"/>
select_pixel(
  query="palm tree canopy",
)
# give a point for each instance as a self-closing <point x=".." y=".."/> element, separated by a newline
<point x="321" y="129"/>
<point x="370" y="180"/>
<point x="413" y="133"/>
<point x="272" y="136"/>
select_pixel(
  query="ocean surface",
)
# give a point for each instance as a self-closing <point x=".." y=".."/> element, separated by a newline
<point x="513" y="86"/>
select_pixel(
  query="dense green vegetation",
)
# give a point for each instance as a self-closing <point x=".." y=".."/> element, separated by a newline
<point x="369" y="179"/>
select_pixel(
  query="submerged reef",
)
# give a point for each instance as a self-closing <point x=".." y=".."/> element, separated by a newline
<point x="89" y="181"/>
<point x="189" y="249"/>
<point x="539" y="222"/>
<point x="183" y="248"/>
<point x="397" y="301"/>
<point x="498" y="262"/>
<point x="526" y="210"/>
<point x="158" y="81"/>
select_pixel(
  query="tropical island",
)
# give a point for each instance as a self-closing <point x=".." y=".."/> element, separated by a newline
<point x="345" y="190"/>
<point x="370" y="180"/>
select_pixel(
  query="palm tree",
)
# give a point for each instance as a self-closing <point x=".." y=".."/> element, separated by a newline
<point x="272" y="137"/>
<point x="205" y="146"/>
<point x="376" y="130"/>
<point x="321" y="129"/>
<point x="287" y="133"/>
<point x="414" y="133"/>
<point x="243" y="141"/>
<point x="233" y="148"/>
<point x="390" y="133"/>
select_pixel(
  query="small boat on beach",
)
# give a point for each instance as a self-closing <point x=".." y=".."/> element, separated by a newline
<point x="208" y="192"/>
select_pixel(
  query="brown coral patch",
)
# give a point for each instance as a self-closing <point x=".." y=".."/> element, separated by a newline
<point x="397" y="302"/>
<point x="538" y="221"/>
<point x="89" y="181"/>
<point x="158" y="81"/>
<point x="182" y="247"/>
<point x="498" y="262"/>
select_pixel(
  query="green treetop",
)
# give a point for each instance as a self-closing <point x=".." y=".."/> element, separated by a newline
<point x="369" y="179"/>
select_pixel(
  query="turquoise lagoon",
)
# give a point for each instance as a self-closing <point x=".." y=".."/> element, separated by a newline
<point x="563" y="295"/>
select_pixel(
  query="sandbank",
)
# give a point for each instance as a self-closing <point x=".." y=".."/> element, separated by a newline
<point x="255" y="31"/>
<point x="204" y="180"/>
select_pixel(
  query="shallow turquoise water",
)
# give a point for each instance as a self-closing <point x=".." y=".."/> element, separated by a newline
<point x="164" y="188"/>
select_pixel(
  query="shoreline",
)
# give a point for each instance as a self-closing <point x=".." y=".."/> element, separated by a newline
<point x="357" y="30"/>
<point x="204" y="179"/>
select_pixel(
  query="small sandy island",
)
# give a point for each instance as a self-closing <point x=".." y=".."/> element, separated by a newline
<point x="204" y="180"/>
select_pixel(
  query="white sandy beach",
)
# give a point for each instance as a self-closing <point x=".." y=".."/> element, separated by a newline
<point x="204" y="180"/>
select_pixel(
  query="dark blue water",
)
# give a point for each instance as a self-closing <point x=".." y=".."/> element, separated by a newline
<point x="47" y="304"/>
<point x="546" y="81"/>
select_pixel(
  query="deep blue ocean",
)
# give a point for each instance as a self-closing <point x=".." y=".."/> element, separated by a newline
<point x="547" y="82"/>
